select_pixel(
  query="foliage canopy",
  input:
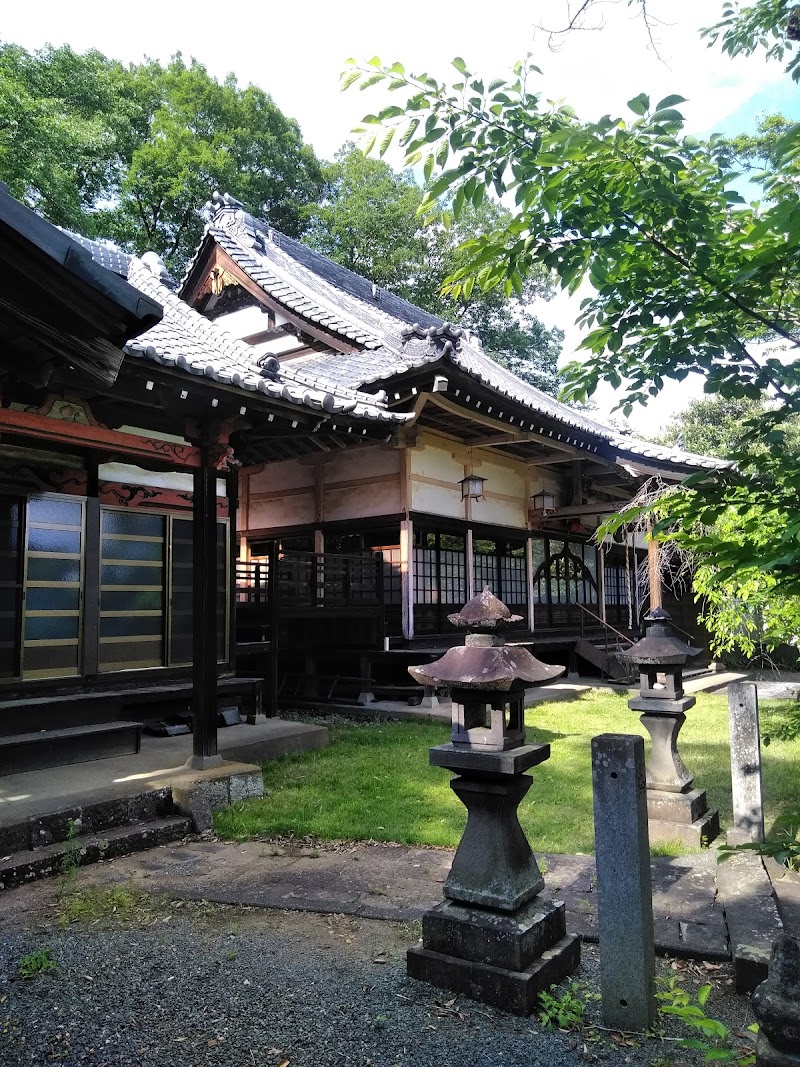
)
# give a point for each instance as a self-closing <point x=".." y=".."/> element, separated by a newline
<point x="133" y="152"/>
<point x="680" y="274"/>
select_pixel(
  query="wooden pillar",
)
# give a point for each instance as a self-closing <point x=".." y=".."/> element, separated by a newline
<point x="407" y="576"/>
<point x="204" y="604"/>
<point x="232" y="492"/>
<point x="273" y="606"/>
<point x="529" y="582"/>
<point x="470" y="564"/>
<point x="91" y="573"/>
<point x="601" y="584"/>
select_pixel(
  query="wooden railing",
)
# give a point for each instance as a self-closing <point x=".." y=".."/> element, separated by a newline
<point x="313" y="579"/>
<point x="606" y="626"/>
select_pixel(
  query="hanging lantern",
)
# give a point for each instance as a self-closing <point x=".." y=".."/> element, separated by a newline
<point x="472" y="487"/>
<point x="544" y="503"/>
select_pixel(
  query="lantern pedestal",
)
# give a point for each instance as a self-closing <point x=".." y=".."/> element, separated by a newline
<point x="495" y="938"/>
<point x="675" y="811"/>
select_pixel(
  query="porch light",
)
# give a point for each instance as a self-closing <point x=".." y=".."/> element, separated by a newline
<point x="472" y="487"/>
<point x="544" y="503"/>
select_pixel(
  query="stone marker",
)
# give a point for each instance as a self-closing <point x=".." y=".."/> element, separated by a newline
<point x="776" y="1005"/>
<point x="624" y="896"/>
<point x="748" y="809"/>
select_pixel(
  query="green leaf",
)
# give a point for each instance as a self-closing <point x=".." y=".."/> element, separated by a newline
<point x="703" y="994"/>
<point x="640" y="104"/>
<point x="669" y="116"/>
<point x="348" y="78"/>
<point x="386" y="140"/>
<point x="670" y="101"/>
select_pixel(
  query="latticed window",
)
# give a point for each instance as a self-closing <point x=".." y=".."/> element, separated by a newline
<point x="103" y="593"/>
<point x="440" y="577"/>
<point x="501" y="566"/>
<point x="565" y="574"/>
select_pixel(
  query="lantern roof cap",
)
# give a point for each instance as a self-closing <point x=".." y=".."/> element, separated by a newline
<point x="660" y="647"/>
<point x="485" y="667"/>
<point x="484" y="612"/>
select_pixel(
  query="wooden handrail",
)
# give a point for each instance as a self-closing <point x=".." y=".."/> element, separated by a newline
<point x="605" y="625"/>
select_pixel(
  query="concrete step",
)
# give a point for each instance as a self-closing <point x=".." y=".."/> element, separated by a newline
<point x="26" y="866"/>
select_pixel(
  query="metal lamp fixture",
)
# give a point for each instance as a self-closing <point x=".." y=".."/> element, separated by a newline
<point x="472" y="487"/>
<point x="545" y="503"/>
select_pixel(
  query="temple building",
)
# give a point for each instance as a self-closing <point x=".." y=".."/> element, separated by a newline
<point x="488" y="481"/>
<point x="274" y="455"/>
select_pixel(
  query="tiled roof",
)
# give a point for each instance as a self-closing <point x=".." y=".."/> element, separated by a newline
<point x="345" y="303"/>
<point x="186" y="340"/>
<point x="104" y="253"/>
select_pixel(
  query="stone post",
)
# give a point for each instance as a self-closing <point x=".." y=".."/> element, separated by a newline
<point x="748" y="810"/>
<point x="624" y="895"/>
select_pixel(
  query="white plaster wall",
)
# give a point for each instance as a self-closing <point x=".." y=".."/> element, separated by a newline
<point x="359" y="483"/>
<point x="353" y="484"/>
<point x="294" y="510"/>
<point x="437" y="468"/>
<point x="278" y="495"/>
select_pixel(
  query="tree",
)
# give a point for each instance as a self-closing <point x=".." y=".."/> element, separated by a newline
<point x="368" y="220"/>
<point x="712" y="426"/>
<point x="684" y="273"/>
<point x="203" y="136"/>
<point x="68" y="126"/>
<point x="132" y="153"/>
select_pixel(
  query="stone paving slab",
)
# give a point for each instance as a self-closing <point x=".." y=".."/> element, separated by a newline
<point x="401" y="883"/>
<point x="752" y="916"/>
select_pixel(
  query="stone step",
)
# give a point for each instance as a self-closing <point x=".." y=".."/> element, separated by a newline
<point x="89" y="818"/>
<point x="26" y="866"/>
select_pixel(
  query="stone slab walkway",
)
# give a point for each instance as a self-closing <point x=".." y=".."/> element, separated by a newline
<point x="697" y="915"/>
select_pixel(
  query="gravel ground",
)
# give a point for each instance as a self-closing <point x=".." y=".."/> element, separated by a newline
<point x="224" y="986"/>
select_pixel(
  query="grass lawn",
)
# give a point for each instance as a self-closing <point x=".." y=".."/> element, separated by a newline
<point x="374" y="782"/>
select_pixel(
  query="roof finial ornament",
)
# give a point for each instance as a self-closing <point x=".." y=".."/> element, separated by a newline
<point x="155" y="264"/>
<point x="444" y="339"/>
<point x="269" y="365"/>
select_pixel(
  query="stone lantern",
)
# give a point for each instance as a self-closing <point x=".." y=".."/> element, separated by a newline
<point x="494" y="938"/>
<point x="675" y="810"/>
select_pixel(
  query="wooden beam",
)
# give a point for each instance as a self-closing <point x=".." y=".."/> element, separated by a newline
<point x="576" y="510"/>
<point x="550" y="459"/>
<point x="97" y="438"/>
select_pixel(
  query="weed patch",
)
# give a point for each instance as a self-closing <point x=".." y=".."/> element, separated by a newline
<point x="36" y="964"/>
<point x="123" y="903"/>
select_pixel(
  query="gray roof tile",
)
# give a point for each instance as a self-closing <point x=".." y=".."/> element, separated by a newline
<point x="196" y="345"/>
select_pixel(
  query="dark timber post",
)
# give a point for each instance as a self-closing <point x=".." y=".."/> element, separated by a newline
<point x="232" y="489"/>
<point x="273" y="606"/>
<point x="91" y="555"/>
<point x="204" y="629"/>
